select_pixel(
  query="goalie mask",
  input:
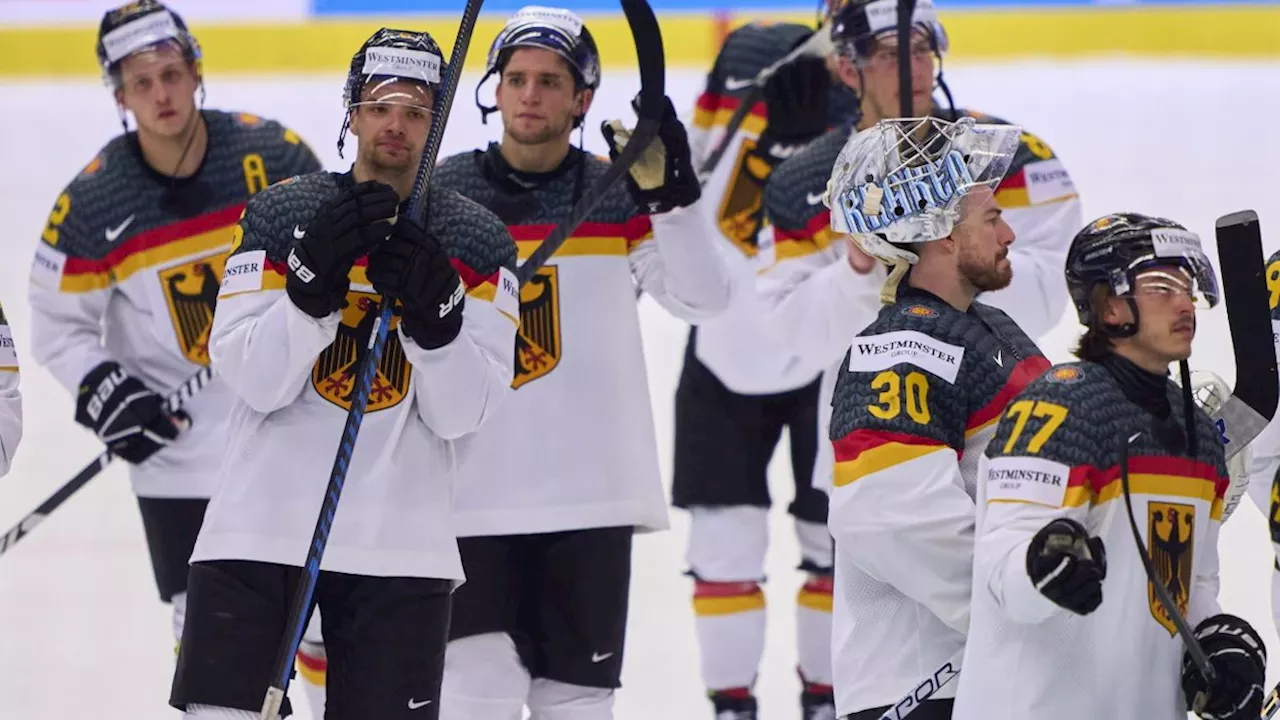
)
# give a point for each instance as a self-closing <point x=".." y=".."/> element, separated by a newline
<point x="1115" y="250"/>
<point x="555" y="29"/>
<point x="901" y="182"/>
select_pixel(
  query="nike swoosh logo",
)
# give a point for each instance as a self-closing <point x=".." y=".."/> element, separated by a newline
<point x="813" y="199"/>
<point x="999" y="358"/>
<point x="732" y="84"/>
<point x="298" y="234"/>
<point x="600" y="657"/>
<point x="415" y="705"/>
<point x="113" y="233"/>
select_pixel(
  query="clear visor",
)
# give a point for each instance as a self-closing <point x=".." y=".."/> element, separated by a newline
<point x="1191" y="277"/>
<point x="386" y="91"/>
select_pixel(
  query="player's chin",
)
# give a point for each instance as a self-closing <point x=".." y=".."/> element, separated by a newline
<point x="395" y="157"/>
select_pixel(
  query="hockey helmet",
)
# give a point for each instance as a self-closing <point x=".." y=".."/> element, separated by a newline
<point x="856" y="23"/>
<point x="138" y="27"/>
<point x="558" y="30"/>
<point x="384" y="64"/>
<point x="1114" y="249"/>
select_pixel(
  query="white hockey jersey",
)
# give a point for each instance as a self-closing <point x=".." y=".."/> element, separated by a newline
<point x="816" y="302"/>
<point x="917" y="400"/>
<point x="736" y="346"/>
<point x="128" y="270"/>
<point x="574" y="446"/>
<point x="1265" y="458"/>
<point x="293" y="376"/>
<point x="1056" y="453"/>
<point x="10" y="398"/>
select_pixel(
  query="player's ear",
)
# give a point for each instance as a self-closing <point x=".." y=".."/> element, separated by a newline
<point x="584" y="101"/>
<point x="1115" y="310"/>
<point x="848" y="73"/>
<point x="351" y="121"/>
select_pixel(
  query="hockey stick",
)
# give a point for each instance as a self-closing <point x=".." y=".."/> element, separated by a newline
<point x="817" y="45"/>
<point x="171" y="403"/>
<point x="1194" y="649"/>
<point x="926" y="689"/>
<point x="906" y="8"/>
<point x="300" y="610"/>
<point x="1253" y="400"/>
<point x="651" y="56"/>
<point x="1272" y="704"/>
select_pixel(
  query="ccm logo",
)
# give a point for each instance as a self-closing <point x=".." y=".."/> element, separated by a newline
<point x="302" y="271"/>
<point x="454" y="300"/>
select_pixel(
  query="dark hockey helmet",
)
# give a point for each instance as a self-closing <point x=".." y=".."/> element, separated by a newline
<point x="856" y="23"/>
<point x="558" y="30"/>
<point x="401" y="67"/>
<point x="1114" y="249"/>
<point x="138" y="27"/>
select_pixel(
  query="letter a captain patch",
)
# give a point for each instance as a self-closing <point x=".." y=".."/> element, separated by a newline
<point x="1171" y="532"/>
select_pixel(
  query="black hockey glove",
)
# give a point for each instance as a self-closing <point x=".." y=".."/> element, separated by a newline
<point x="412" y="267"/>
<point x="1067" y="566"/>
<point x="662" y="178"/>
<point x="126" y="415"/>
<point x="322" y="254"/>
<point x="1239" y="660"/>
<point x="796" y="101"/>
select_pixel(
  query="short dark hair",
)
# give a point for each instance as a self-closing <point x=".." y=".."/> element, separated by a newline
<point x="1095" y="344"/>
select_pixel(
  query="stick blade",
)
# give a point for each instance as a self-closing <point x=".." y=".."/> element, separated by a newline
<point x="1247" y="299"/>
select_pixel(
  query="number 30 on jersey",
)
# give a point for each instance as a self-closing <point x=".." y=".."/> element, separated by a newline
<point x="897" y="392"/>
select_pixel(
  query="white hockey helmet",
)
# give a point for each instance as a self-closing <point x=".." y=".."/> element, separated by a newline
<point x="901" y="181"/>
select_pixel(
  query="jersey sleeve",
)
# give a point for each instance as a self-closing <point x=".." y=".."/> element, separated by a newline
<point x="673" y="259"/>
<point x="261" y="344"/>
<point x="899" y="509"/>
<point x="1047" y="460"/>
<point x="1040" y="203"/>
<point x="10" y="398"/>
<point x="460" y="385"/>
<point x="814" y="301"/>
<point x="71" y="283"/>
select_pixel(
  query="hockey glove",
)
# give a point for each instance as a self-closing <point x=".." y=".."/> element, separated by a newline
<point x="412" y="267"/>
<point x="1067" y="566"/>
<point x="322" y="254"/>
<point x="795" y="99"/>
<point x="662" y="177"/>
<point x="126" y="415"/>
<point x="1239" y="660"/>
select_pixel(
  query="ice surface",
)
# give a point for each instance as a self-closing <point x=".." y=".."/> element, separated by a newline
<point x="82" y="633"/>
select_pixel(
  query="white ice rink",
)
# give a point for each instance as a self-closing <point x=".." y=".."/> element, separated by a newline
<point x="82" y="633"/>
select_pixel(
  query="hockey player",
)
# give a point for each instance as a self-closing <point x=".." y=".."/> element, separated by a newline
<point x="315" y="256"/>
<point x="1264" y="470"/>
<point x="1066" y="622"/>
<point x="124" y="282"/>
<point x="739" y="388"/>
<point x="816" y="292"/>
<point x="917" y="399"/>
<point x="553" y="488"/>
<point x="10" y="398"/>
